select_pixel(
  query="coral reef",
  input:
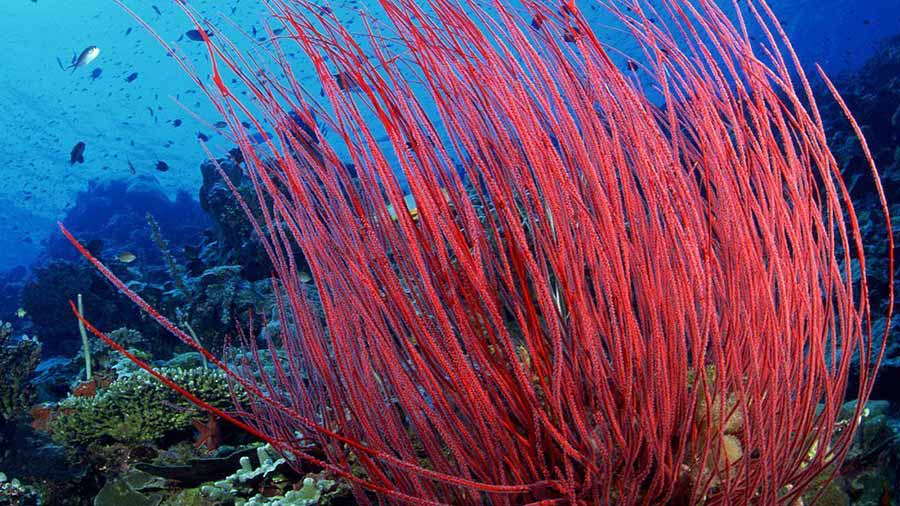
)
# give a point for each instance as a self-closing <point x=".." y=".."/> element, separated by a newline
<point x="14" y="493"/>
<point x="113" y="216"/>
<point x="106" y="359"/>
<point x="205" y="294"/>
<point x="133" y="488"/>
<point x="83" y="451"/>
<point x="871" y="473"/>
<point x="538" y="353"/>
<point x="18" y="359"/>
<point x="136" y="408"/>
<point x="241" y="488"/>
<point x="136" y="443"/>
<point x="873" y="94"/>
<point x="220" y="296"/>
<point x="113" y="213"/>
<point x="232" y="235"/>
<point x="868" y="477"/>
<point x="46" y="299"/>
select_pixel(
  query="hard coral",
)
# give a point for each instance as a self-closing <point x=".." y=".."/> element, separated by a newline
<point x="136" y="409"/>
<point x="14" y="493"/>
<point x="244" y="485"/>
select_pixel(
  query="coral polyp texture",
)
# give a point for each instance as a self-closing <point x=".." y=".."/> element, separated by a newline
<point x="622" y="279"/>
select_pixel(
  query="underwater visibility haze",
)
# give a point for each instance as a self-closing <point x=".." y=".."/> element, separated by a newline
<point x="473" y="252"/>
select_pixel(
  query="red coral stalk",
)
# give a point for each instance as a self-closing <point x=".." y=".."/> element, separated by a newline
<point x="627" y="280"/>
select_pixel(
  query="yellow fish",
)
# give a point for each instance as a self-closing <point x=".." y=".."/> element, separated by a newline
<point x="21" y="313"/>
<point x="126" y="257"/>
<point x="410" y="207"/>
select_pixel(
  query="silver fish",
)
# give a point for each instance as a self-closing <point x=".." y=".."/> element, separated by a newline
<point x="85" y="58"/>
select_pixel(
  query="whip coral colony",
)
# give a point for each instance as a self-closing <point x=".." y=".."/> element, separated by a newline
<point x="627" y="280"/>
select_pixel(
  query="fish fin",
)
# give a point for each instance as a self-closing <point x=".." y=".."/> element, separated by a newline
<point x="60" y="63"/>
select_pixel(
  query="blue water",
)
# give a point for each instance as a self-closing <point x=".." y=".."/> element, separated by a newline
<point x="46" y="110"/>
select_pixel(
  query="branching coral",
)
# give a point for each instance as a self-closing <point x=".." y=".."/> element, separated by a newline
<point x="586" y="237"/>
<point x="136" y="408"/>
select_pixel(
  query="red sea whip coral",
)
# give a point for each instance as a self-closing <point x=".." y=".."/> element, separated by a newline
<point x="626" y="280"/>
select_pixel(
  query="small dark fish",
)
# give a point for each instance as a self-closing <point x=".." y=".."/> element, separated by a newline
<point x="305" y="127"/>
<point x="345" y="82"/>
<point x="632" y="65"/>
<point x="131" y="77"/>
<point x="258" y="137"/>
<point x="176" y="123"/>
<point x="162" y="166"/>
<point x="157" y="11"/>
<point x="131" y="168"/>
<point x="202" y="136"/>
<point x="77" y="154"/>
<point x="220" y="124"/>
<point x="96" y="73"/>
<point x="246" y="125"/>
<point x="197" y="35"/>
<point x="128" y="31"/>
<point x="537" y="21"/>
